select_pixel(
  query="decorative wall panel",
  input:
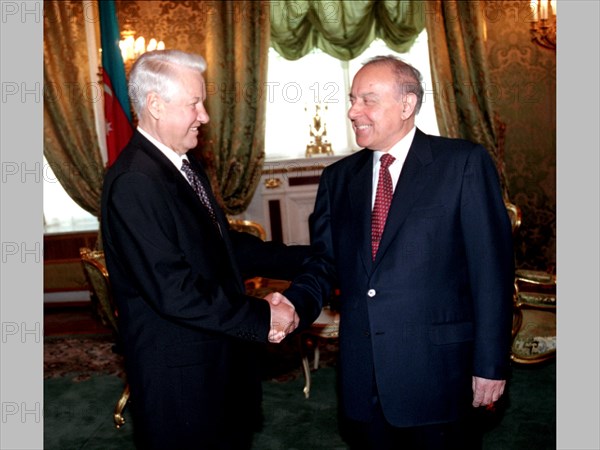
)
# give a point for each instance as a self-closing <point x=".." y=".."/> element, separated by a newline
<point x="524" y="90"/>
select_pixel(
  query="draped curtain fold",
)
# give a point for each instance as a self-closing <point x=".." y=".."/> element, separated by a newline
<point x="461" y="77"/>
<point x="70" y="139"/>
<point x="343" y="29"/>
<point x="232" y="144"/>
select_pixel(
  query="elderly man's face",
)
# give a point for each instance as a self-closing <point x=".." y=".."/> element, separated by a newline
<point x="377" y="109"/>
<point x="180" y="121"/>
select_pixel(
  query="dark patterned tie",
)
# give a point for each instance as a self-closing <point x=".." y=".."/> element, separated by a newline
<point x="198" y="187"/>
<point x="383" y="200"/>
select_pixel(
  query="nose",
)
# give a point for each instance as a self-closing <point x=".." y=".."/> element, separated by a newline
<point x="354" y="111"/>
<point x="202" y="116"/>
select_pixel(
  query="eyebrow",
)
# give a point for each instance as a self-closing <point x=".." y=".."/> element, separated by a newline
<point x="366" y="94"/>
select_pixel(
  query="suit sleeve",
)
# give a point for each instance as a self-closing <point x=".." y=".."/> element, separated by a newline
<point x="267" y="259"/>
<point x="145" y="238"/>
<point x="313" y="287"/>
<point x="490" y="259"/>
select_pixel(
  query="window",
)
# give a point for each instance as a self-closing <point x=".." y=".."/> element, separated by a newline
<point x="295" y="87"/>
<point x="61" y="213"/>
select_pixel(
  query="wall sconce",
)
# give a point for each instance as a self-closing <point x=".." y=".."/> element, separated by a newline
<point x="131" y="47"/>
<point x="543" y="25"/>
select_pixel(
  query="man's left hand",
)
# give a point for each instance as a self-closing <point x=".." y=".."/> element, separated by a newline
<point x="486" y="392"/>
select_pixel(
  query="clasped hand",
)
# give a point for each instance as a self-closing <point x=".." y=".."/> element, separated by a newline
<point x="284" y="318"/>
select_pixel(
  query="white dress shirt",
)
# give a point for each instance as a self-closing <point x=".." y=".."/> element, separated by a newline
<point x="398" y="151"/>
<point x="171" y="155"/>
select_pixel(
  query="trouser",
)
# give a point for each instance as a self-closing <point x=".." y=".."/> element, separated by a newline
<point x="379" y="434"/>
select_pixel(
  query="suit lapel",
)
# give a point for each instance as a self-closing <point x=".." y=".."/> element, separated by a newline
<point x="221" y="219"/>
<point x="360" y="190"/>
<point x="181" y="189"/>
<point x="175" y="179"/>
<point x="410" y="184"/>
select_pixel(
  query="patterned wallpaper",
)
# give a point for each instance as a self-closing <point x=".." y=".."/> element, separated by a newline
<point x="522" y="87"/>
<point x="177" y="23"/>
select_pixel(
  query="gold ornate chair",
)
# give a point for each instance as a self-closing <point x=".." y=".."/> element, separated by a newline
<point x="534" y="325"/>
<point x="326" y="326"/>
<point x="96" y="276"/>
<point x="529" y="280"/>
<point x="256" y="229"/>
<point x="248" y="226"/>
<point x="94" y="268"/>
<point x="514" y="214"/>
<point x="534" y="309"/>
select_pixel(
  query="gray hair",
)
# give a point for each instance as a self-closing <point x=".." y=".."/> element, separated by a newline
<point x="409" y="79"/>
<point x="157" y="71"/>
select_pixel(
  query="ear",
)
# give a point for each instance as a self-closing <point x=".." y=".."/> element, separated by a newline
<point x="409" y="103"/>
<point x="155" y="105"/>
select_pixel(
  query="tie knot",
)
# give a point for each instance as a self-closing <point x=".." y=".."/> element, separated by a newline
<point x="186" y="168"/>
<point x="386" y="160"/>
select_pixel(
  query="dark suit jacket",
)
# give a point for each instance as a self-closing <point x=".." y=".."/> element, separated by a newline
<point x="188" y="329"/>
<point x="434" y="308"/>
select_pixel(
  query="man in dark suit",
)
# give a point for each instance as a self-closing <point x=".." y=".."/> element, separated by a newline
<point x="189" y="331"/>
<point x="426" y="304"/>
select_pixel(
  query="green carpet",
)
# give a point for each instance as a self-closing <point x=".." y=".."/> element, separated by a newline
<point x="527" y="419"/>
<point x="78" y="414"/>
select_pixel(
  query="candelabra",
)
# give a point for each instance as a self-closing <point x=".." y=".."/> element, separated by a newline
<point x="318" y="144"/>
<point x="543" y="24"/>
<point x="132" y="47"/>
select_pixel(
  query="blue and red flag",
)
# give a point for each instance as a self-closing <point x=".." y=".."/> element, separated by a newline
<point x="117" y="112"/>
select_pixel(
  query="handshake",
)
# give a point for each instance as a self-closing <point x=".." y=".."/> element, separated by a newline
<point x="284" y="318"/>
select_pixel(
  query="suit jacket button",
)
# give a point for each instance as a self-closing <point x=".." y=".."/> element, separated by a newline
<point x="371" y="292"/>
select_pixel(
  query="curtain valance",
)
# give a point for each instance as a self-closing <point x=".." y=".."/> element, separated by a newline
<point x="343" y="29"/>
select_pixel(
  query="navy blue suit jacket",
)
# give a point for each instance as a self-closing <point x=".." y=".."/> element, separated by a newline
<point x="435" y="307"/>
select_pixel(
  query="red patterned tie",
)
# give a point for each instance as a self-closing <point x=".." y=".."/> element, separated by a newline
<point x="383" y="200"/>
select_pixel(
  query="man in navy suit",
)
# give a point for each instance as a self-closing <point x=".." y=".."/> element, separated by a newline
<point x="426" y="306"/>
<point x="190" y="333"/>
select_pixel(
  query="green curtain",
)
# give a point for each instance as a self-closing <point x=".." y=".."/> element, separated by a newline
<point x="70" y="140"/>
<point x="460" y="77"/>
<point x="343" y="29"/>
<point x="232" y="144"/>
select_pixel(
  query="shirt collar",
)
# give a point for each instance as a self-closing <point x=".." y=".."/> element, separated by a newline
<point x="398" y="150"/>
<point x="174" y="157"/>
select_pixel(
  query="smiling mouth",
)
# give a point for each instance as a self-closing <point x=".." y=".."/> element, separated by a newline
<point x="359" y="128"/>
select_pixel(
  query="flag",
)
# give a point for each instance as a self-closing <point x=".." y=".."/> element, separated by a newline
<point x="117" y="112"/>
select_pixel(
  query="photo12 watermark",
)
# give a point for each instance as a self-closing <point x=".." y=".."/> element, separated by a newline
<point x="22" y="412"/>
<point x="21" y="12"/>
<point x="21" y="252"/>
<point x="71" y="92"/>
<point x="21" y="332"/>
<point x="38" y="172"/>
